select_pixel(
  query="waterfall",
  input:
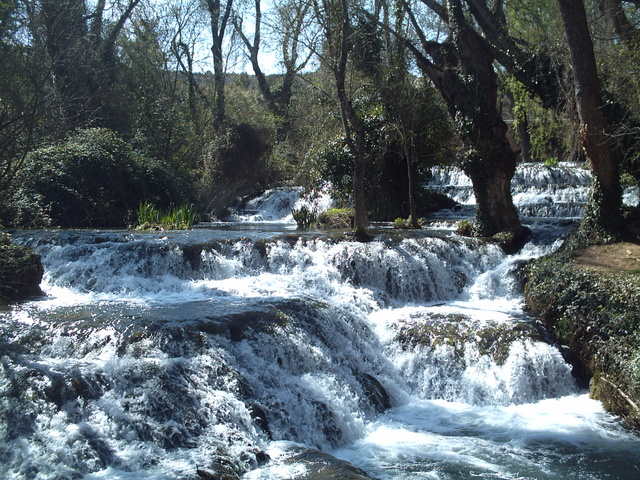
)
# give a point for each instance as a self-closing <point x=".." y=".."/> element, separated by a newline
<point x="275" y="205"/>
<point x="538" y="190"/>
<point x="255" y="353"/>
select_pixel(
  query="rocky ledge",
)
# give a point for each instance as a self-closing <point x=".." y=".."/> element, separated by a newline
<point x="590" y="301"/>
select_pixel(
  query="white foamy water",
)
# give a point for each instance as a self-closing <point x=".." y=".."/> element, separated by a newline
<point x="276" y="205"/>
<point x="247" y="351"/>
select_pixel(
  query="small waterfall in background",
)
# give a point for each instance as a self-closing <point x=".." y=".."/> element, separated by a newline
<point x="257" y="352"/>
<point x="276" y="205"/>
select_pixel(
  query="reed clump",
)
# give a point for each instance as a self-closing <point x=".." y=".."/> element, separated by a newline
<point x="151" y="217"/>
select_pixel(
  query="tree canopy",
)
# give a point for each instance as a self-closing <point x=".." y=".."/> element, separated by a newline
<point x="210" y="100"/>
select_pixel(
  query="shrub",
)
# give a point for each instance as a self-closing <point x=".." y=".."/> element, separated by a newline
<point x="20" y="271"/>
<point x="94" y="179"/>
<point x="234" y="166"/>
<point x="465" y="228"/>
<point x="406" y="223"/>
<point x="336" y="218"/>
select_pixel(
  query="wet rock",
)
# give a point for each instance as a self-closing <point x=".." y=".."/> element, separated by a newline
<point x="322" y="466"/>
<point x="375" y="392"/>
<point x="259" y="416"/>
<point x="492" y="339"/>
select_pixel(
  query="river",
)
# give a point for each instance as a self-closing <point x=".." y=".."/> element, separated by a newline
<point x="255" y="350"/>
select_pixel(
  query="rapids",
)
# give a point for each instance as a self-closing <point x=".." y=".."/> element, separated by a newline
<point x="255" y="351"/>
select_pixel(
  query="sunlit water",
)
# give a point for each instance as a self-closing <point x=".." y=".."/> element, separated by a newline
<point x="155" y="355"/>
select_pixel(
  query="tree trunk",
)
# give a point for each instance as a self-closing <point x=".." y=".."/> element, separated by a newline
<point x="602" y="221"/>
<point x="219" y="17"/>
<point x="489" y="160"/>
<point x="337" y="33"/>
<point x="463" y="71"/>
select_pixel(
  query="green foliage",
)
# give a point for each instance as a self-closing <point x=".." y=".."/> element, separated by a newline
<point x="336" y="218"/>
<point x="151" y="217"/>
<point x="20" y="271"/>
<point x="598" y="316"/>
<point x="304" y="216"/>
<point x="406" y="223"/>
<point x="93" y="179"/>
<point x="551" y="135"/>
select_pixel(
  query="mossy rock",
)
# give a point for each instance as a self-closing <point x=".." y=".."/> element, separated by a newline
<point x="336" y="218"/>
<point x="21" y="271"/>
<point x="597" y="315"/>
<point x="492" y="339"/>
<point x="322" y="466"/>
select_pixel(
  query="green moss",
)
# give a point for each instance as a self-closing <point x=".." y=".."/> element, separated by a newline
<point x="336" y="218"/>
<point x="597" y="315"/>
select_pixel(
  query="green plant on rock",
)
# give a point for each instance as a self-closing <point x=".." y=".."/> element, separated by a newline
<point x="305" y="216"/>
<point x="406" y="223"/>
<point x="336" y="218"/>
<point x="466" y="228"/>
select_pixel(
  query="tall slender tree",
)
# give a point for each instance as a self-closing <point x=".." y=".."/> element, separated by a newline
<point x="602" y="221"/>
<point x="334" y="17"/>
<point x="220" y="16"/>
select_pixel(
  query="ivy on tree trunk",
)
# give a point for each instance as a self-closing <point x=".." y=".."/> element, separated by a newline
<point x="602" y="221"/>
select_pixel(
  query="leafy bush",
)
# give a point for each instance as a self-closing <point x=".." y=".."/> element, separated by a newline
<point x="405" y="223"/>
<point x="94" y="179"/>
<point x="20" y="271"/>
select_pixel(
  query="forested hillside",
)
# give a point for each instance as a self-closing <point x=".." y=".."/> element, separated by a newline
<point x="109" y="105"/>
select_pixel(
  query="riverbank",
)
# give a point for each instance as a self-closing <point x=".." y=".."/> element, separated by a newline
<point x="590" y="301"/>
<point x="20" y="271"/>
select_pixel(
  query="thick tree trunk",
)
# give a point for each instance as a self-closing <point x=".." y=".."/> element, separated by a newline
<point x="462" y="69"/>
<point x="602" y="221"/>
<point x="489" y="160"/>
<point x="495" y="211"/>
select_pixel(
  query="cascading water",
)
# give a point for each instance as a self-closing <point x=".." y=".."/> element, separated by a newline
<point x="538" y="191"/>
<point x="225" y="352"/>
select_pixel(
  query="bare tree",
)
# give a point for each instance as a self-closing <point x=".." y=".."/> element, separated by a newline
<point x="291" y="17"/>
<point x="220" y="16"/>
<point x="334" y="18"/>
